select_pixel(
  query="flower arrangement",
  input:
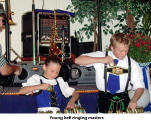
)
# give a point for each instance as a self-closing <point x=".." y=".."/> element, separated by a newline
<point x="140" y="48"/>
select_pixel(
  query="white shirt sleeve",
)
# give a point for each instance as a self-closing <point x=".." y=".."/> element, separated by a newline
<point x="65" y="89"/>
<point x="136" y="76"/>
<point x="33" y="80"/>
<point x="94" y="54"/>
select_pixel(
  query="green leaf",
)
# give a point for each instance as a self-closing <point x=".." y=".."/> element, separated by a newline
<point x="116" y="25"/>
<point x="111" y="31"/>
<point x="121" y="20"/>
<point x="110" y="10"/>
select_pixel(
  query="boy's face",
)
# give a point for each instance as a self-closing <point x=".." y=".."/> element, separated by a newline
<point x="52" y="70"/>
<point x="120" y="50"/>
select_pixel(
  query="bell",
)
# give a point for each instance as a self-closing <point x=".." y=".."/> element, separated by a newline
<point x="10" y="21"/>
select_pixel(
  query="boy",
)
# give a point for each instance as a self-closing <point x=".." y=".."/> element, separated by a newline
<point x="49" y="89"/>
<point x="119" y="45"/>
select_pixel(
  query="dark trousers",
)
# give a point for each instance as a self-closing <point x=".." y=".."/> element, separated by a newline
<point x="104" y="100"/>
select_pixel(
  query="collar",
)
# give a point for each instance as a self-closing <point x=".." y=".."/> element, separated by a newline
<point x="50" y="81"/>
<point x="114" y="57"/>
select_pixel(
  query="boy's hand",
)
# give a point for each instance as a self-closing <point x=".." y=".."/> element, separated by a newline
<point x="132" y="105"/>
<point x="44" y="86"/>
<point x="71" y="104"/>
<point x="108" y="60"/>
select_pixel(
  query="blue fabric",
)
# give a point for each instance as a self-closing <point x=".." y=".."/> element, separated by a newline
<point x="148" y="108"/>
<point x="113" y="84"/>
<point x="43" y="99"/>
<point x="27" y="104"/>
<point x="89" y="102"/>
<point x="145" y="77"/>
<point x="144" y="67"/>
<point x="116" y="61"/>
<point x="58" y="11"/>
<point x="17" y="104"/>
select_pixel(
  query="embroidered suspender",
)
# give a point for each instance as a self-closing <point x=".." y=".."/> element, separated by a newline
<point x="53" y="97"/>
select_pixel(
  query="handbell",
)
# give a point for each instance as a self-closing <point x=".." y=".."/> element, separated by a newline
<point x="10" y="21"/>
<point x="137" y="110"/>
<point x="77" y="109"/>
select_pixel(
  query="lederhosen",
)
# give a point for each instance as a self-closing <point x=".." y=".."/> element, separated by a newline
<point x="105" y="98"/>
<point x="43" y="97"/>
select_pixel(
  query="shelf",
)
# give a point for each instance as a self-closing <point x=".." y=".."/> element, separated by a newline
<point x="48" y="42"/>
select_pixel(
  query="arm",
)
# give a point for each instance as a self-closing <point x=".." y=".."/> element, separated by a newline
<point x="135" y="98"/>
<point x="28" y="89"/>
<point x="85" y="60"/>
<point x="74" y="98"/>
<point x="137" y="82"/>
<point x="68" y="91"/>
<point x="8" y="69"/>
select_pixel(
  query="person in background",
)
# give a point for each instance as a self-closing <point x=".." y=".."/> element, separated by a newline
<point x="5" y="67"/>
<point x="49" y="88"/>
<point x="112" y="81"/>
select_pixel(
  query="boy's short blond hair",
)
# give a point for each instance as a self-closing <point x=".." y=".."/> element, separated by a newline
<point x="119" y="38"/>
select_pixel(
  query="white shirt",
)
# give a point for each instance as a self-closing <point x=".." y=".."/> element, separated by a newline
<point x="35" y="80"/>
<point x="136" y="72"/>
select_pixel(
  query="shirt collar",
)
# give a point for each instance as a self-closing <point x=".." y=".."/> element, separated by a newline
<point x="50" y="81"/>
<point x="114" y="57"/>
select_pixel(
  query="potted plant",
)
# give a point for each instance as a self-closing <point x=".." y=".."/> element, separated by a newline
<point x="140" y="48"/>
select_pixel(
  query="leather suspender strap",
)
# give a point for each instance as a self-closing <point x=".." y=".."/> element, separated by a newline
<point x="129" y="74"/>
<point x="105" y="72"/>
